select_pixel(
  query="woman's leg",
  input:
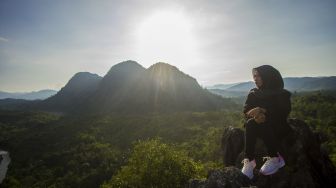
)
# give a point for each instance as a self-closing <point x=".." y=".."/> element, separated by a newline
<point x="251" y="134"/>
<point x="270" y="139"/>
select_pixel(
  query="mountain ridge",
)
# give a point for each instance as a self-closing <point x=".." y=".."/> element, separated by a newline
<point x="33" y="95"/>
<point x="226" y="90"/>
<point x="130" y="88"/>
<point x="293" y="84"/>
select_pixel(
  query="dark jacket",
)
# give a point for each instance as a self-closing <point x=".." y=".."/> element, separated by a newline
<point x="277" y="104"/>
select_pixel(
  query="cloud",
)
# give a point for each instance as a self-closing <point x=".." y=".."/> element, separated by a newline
<point x="2" y="39"/>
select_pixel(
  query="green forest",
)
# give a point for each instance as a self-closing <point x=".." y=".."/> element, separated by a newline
<point x="153" y="150"/>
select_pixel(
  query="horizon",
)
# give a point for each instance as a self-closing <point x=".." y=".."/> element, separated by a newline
<point x="204" y="86"/>
<point x="44" y="43"/>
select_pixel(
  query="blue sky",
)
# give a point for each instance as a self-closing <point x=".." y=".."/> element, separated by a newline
<point x="43" y="43"/>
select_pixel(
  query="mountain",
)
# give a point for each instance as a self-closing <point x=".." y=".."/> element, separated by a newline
<point x="222" y="86"/>
<point x="293" y="84"/>
<point x="73" y="94"/>
<point x="228" y="93"/>
<point x="34" y="95"/>
<point x="115" y="87"/>
<point x="166" y="87"/>
<point x="310" y="83"/>
<point x="127" y="88"/>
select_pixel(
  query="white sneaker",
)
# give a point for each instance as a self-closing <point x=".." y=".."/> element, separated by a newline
<point x="248" y="167"/>
<point x="272" y="165"/>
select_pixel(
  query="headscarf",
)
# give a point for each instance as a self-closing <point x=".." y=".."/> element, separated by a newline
<point x="270" y="76"/>
<point x="273" y="83"/>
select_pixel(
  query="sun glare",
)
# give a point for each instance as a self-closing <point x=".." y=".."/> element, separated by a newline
<point x="165" y="36"/>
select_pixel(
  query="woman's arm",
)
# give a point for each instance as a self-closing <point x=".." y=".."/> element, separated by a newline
<point x="251" y="110"/>
<point x="250" y="103"/>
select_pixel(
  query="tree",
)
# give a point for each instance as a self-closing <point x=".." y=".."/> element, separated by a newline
<point x="155" y="164"/>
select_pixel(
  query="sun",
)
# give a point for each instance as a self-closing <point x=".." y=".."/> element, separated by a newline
<point x="166" y="36"/>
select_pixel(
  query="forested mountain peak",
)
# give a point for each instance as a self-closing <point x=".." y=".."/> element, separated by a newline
<point x="125" y="67"/>
<point x="81" y="79"/>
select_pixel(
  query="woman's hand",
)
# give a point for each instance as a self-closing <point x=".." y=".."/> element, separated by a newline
<point x="258" y="114"/>
<point x="256" y="111"/>
<point x="261" y="118"/>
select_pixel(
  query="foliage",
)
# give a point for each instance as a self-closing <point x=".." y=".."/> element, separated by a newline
<point x="85" y="151"/>
<point x="156" y="164"/>
<point x="50" y="150"/>
<point x="318" y="109"/>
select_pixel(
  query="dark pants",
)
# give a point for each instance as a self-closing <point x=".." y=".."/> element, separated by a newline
<point x="263" y="131"/>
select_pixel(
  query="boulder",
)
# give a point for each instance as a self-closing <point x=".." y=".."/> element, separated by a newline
<point x="307" y="165"/>
<point x="227" y="177"/>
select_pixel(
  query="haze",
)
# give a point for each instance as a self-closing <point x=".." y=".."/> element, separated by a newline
<point x="44" y="43"/>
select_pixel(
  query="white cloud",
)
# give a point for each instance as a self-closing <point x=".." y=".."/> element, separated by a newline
<point x="2" y="39"/>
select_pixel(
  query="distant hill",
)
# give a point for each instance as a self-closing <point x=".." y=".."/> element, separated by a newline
<point x="16" y="104"/>
<point x="34" y="95"/>
<point x="130" y="88"/>
<point x="81" y="86"/>
<point x="310" y="83"/>
<point x="293" y="84"/>
<point x="222" y="86"/>
<point x="228" y="93"/>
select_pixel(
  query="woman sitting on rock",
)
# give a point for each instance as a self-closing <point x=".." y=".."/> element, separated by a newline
<point x="266" y="110"/>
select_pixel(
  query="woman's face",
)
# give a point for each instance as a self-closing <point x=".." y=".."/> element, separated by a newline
<point x="257" y="79"/>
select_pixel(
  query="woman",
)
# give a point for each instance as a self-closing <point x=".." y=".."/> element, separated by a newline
<point x="266" y="110"/>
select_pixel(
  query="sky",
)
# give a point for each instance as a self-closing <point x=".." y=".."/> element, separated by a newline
<point x="43" y="43"/>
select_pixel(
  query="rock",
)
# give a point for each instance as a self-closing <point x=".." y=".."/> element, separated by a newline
<point x="307" y="165"/>
<point x="4" y="162"/>
<point x="227" y="177"/>
<point x="234" y="144"/>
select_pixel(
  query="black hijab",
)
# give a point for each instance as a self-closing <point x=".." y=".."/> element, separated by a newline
<point x="272" y="81"/>
<point x="270" y="76"/>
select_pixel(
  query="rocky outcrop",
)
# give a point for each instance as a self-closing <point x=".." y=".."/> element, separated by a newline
<point x="4" y="162"/>
<point x="307" y="165"/>
<point x="222" y="178"/>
